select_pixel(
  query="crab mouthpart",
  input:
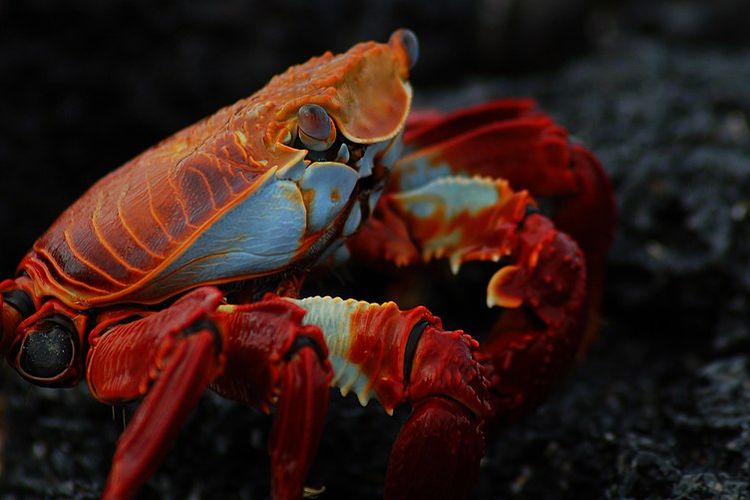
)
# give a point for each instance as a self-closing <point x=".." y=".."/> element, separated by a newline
<point x="342" y="183"/>
<point x="363" y="158"/>
<point x="326" y="188"/>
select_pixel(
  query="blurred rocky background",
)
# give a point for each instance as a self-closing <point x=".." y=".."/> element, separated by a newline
<point x="659" y="90"/>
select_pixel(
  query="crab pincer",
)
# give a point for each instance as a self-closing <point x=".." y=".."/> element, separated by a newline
<point x="398" y="357"/>
<point x="512" y="140"/>
<point x="438" y="450"/>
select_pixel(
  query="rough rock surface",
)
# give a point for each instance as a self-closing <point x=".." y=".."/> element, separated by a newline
<point x="661" y="406"/>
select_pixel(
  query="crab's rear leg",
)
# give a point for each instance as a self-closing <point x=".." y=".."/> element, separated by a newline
<point x="405" y="357"/>
<point x="259" y="354"/>
<point x="541" y="281"/>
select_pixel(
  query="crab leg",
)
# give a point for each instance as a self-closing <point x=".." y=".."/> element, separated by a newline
<point x="252" y="353"/>
<point x="272" y="359"/>
<point x="506" y="139"/>
<point x="169" y="357"/>
<point x="510" y="139"/>
<point x="541" y="280"/>
<point x="427" y="127"/>
<point x="380" y="352"/>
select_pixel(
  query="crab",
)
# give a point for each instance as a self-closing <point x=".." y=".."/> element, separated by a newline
<point x="182" y="270"/>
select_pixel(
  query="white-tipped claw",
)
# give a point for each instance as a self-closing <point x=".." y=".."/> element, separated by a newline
<point x="310" y="492"/>
<point x="490" y="302"/>
<point x="455" y="262"/>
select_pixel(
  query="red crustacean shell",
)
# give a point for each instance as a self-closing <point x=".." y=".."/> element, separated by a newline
<point x="131" y="225"/>
<point x="134" y="220"/>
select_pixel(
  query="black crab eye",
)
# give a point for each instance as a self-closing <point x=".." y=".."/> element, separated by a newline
<point x="48" y="352"/>
<point x="315" y="128"/>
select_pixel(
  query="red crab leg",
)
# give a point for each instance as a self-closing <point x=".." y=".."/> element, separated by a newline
<point x="427" y="128"/>
<point x="542" y="281"/>
<point x="505" y="139"/>
<point x="590" y="218"/>
<point x="509" y="139"/>
<point x="273" y="359"/>
<point x="394" y="356"/>
<point x="169" y="357"/>
<point x="172" y="356"/>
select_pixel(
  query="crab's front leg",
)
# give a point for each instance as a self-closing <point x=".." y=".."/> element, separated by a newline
<point x="397" y="357"/>
<point x="259" y="354"/>
<point x="541" y="281"/>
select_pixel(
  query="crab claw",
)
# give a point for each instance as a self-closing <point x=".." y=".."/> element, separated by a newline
<point x="511" y="139"/>
<point x="536" y="339"/>
<point x="438" y="450"/>
<point x="400" y="357"/>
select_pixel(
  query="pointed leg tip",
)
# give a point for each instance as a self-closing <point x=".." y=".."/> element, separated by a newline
<point x="506" y="288"/>
<point x="115" y="488"/>
<point x="298" y="424"/>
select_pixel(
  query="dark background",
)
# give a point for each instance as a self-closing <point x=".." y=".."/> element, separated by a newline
<point x="659" y="90"/>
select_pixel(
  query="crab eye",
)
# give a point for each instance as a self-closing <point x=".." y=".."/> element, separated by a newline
<point x="409" y="42"/>
<point x="48" y="352"/>
<point x="315" y="127"/>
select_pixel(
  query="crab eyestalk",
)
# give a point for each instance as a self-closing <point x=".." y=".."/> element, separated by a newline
<point x="409" y="44"/>
<point x="315" y="128"/>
